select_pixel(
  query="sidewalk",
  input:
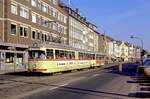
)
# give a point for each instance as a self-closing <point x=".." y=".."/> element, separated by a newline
<point x="12" y="71"/>
<point x="142" y="87"/>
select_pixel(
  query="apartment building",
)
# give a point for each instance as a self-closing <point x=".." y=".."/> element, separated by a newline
<point x="24" y="22"/>
<point x="81" y="33"/>
<point x="29" y="21"/>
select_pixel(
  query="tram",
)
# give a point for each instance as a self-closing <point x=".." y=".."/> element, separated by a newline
<point x="53" y="58"/>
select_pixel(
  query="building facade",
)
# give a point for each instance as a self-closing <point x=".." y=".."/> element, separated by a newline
<point x="81" y="33"/>
<point x="24" y="22"/>
<point x="28" y="21"/>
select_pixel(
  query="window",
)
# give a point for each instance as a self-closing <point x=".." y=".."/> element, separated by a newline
<point x="39" y="20"/>
<point x="23" y="31"/>
<point x="39" y="4"/>
<point x="53" y="12"/>
<point x="9" y="57"/>
<point x="59" y="17"/>
<point x="65" y="20"/>
<point x="24" y="12"/>
<point x="42" y="37"/>
<point x="55" y="26"/>
<point x="45" y="37"/>
<point x="53" y="2"/>
<point x="45" y="8"/>
<point x="38" y="36"/>
<point x="50" y="54"/>
<point x="45" y="22"/>
<point x="62" y="18"/>
<point x="34" y="19"/>
<point x="33" y="34"/>
<point x="13" y="28"/>
<point x="14" y="8"/>
<point x="60" y="29"/>
<point x="33" y="3"/>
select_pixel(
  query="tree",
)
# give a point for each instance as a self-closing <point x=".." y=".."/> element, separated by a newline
<point x="143" y="52"/>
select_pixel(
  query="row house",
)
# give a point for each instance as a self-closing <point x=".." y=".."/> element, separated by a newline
<point x="116" y="50"/>
<point x="124" y="51"/>
<point x="106" y="46"/>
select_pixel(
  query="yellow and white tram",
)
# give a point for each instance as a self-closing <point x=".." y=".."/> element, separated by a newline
<point x="57" y="58"/>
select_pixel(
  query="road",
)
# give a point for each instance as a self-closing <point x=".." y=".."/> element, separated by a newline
<point x="97" y="83"/>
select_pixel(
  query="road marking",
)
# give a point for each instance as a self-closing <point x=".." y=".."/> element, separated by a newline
<point x="64" y="84"/>
<point x="53" y="88"/>
<point x="50" y="87"/>
<point x="95" y="75"/>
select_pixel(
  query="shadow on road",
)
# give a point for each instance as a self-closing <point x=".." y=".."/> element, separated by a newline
<point x="28" y="74"/>
<point x="129" y="69"/>
<point x="92" y="92"/>
<point x="143" y="86"/>
<point x="140" y="79"/>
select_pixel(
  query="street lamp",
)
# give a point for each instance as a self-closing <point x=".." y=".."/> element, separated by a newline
<point x="134" y="37"/>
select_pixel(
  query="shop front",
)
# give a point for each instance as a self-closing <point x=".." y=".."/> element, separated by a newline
<point x="13" y="58"/>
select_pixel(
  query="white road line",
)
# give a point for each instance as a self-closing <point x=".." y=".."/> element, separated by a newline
<point x="53" y="88"/>
<point x="50" y="88"/>
<point x="64" y="84"/>
<point x="95" y="75"/>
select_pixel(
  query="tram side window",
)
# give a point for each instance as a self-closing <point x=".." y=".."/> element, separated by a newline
<point x="61" y="54"/>
<point x="93" y="56"/>
<point x="99" y="57"/>
<point x="57" y="54"/>
<point x="81" y="56"/>
<point x="50" y="54"/>
<point x="71" y="55"/>
<point x="9" y="58"/>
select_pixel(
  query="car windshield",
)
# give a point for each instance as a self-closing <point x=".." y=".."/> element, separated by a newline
<point x="147" y="63"/>
<point x="146" y="60"/>
<point x="37" y="55"/>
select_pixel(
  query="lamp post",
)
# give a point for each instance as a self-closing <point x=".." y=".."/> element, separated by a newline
<point x="134" y="37"/>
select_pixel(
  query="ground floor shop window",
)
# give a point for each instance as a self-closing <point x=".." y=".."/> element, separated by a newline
<point x="9" y="58"/>
<point x="19" y="58"/>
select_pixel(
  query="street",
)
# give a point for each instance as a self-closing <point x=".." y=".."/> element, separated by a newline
<point x="107" y="83"/>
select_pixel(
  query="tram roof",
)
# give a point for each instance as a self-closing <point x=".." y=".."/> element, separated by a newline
<point x="63" y="46"/>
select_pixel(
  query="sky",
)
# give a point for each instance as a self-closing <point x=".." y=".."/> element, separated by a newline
<point x="118" y="18"/>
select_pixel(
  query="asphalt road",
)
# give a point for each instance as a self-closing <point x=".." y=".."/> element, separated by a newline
<point x="94" y="84"/>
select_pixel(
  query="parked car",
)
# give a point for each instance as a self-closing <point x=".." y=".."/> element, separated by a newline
<point x="147" y="68"/>
<point x="143" y="64"/>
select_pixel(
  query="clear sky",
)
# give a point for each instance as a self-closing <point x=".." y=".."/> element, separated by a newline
<point x="119" y="18"/>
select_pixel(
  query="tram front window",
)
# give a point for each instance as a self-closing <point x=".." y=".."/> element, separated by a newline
<point x="37" y="55"/>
